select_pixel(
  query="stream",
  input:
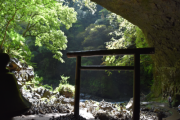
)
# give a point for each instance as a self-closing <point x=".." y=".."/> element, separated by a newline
<point x="84" y="97"/>
<point x="83" y="100"/>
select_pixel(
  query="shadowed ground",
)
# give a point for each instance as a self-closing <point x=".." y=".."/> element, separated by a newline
<point x="83" y="113"/>
<point x="89" y="116"/>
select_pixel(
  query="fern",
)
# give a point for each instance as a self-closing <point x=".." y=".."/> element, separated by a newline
<point x="64" y="80"/>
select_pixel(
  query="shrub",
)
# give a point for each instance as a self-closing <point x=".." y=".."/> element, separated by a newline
<point x="65" y="88"/>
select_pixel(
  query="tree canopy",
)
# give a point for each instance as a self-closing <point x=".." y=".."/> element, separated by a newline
<point x="40" y="19"/>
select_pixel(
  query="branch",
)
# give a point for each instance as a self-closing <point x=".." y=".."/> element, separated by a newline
<point x="28" y="35"/>
<point x="29" y="26"/>
<point x="6" y="29"/>
<point x="21" y="16"/>
<point x="8" y="25"/>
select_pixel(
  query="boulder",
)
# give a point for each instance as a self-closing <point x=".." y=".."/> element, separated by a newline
<point x="39" y="90"/>
<point x="157" y="110"/>
<point x="67" y="93"/>
<point x="68" y="101"/>
<point x="43" y="92"/>
<point x="46" y="93"/>
<point x="82" y="105"/>
<point x="19" y="84"/>
<point x="130" y="104"/>
<point x="106" y="107"/>
<point x="104" y="116"/>
<point x="27" y="95"/>
<point x="61" y="97"/>
<point x="37" y="96"/>
<point x="57" y="95"/>
<point x="21" y="70"/>
<point x="57" y="100"/>
<point x="31" y="84"/>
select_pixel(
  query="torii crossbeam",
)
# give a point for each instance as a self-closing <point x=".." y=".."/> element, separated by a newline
<point x="136" y="82"/>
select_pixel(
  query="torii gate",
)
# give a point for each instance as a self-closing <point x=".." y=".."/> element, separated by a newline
<point x="136" y="83"/>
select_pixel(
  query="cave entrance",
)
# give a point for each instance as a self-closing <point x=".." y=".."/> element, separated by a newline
<point x="136" y="82"/>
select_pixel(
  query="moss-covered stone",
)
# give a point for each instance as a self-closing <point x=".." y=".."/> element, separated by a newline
<point x="67" y="92"/>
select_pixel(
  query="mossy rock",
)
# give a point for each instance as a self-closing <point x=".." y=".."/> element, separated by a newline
<point x="152" y="97"/>
<point x="46" y="94"/>
<point x="31" y="84"/>
<point x="67" y="92"/>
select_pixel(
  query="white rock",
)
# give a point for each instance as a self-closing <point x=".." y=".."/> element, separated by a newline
<point x="130" y="104"/>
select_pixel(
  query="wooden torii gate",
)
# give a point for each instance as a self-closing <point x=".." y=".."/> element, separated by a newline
<point x="136" y="82"/>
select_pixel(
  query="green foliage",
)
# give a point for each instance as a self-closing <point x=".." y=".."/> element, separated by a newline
<point x="108" y="72"/>
<point x="86" y="61"/>
<point x="129" y="36"/>
<point x="87" y="3"/>
<point x="41" y="19"/>
<point x="122" y="38"/>
<point x="51" y="68"/>
<point x="96" y="85"/>
<point x="48" y="87"/>
<point x="148" y="106"/>
<point x="156" y="91"/>
<point x="37" y="81"/>
<point x="90" y="32"/>
<point x="94" y="36"/>
<point x="65" y="86"/>
<point x="97" y="108"/>
<point x="104" y="11"/>
<point x="64" y="80"/>
<point x="140" y="39"/>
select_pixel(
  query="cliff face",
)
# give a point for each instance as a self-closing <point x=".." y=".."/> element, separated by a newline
<point x="160" y="22"/>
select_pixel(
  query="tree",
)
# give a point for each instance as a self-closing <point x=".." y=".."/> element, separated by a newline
<point x="95" y="36"/>
<point x="40" y="19"/>
<point x="128" y="36"/>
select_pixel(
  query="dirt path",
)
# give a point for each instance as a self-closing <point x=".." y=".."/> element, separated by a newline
<point x="83" y="113"/>
<point x="175" y="114"/>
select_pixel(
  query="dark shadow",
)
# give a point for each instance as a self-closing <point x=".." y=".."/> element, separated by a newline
<point x="12" y="102"/>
